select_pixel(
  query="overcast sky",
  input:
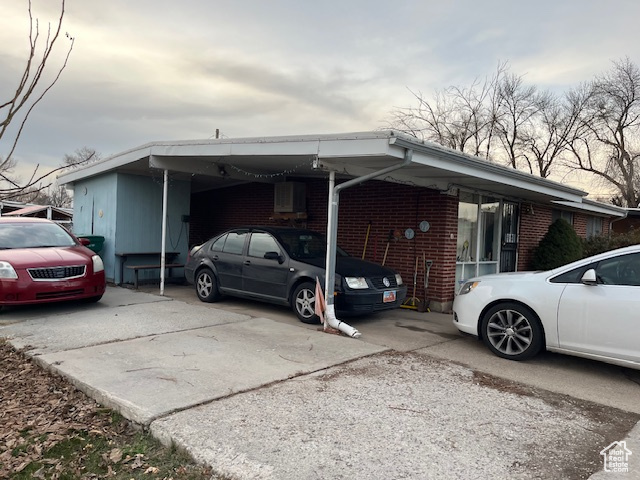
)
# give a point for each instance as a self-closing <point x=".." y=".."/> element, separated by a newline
<point x="148" y="70"/>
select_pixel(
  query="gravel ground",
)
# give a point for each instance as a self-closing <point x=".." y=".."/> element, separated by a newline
<point x="398" y="416"/>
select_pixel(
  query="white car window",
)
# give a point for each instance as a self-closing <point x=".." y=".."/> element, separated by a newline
<point x="621" y="270"/>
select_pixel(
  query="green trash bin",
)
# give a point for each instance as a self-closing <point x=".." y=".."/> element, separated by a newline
<point x="97" y="242"/>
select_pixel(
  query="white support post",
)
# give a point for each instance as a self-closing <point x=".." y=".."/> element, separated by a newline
<point x="163" y="249"/>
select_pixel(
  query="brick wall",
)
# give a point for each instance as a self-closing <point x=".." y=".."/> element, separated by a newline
<point x="534" y="223"/>
<point x="389" y="207"/>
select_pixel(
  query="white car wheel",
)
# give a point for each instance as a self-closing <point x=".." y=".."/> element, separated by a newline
<point x="512" y="331"/>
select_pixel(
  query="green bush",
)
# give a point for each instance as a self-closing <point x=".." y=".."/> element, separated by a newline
<point x="560" y="245"/>
<point x="604" y="243"/>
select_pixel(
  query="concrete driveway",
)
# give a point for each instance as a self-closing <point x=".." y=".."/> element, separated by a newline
<point x="247" y="388"/>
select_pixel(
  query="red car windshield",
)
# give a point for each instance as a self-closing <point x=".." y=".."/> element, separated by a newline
<point x="33" y="235"/>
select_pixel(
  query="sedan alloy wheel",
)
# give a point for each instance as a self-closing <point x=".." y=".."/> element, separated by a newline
<point x="512" y="331"/>
<point x="304" y="301"/>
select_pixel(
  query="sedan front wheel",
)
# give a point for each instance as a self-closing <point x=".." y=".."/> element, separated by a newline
<point x="512" y="331"/>
<point x="304" y="302"/>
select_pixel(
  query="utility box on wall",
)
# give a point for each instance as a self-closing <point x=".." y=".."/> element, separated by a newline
<point x="289" y="197"/>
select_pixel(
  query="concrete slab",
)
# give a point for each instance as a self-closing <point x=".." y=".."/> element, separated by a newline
<point x="405" y="331"/>
<point x="578" y="377"/>
<point x="141" y="316"/>
<point x="113" y="297"/>
<point x="156" y="375"/>
<point x="395" y="416"/>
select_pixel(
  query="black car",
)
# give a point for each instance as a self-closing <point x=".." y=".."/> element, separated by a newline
<point x="280" y="265"/>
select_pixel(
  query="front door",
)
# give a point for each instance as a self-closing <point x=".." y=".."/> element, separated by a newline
<point x="509" y="240"/>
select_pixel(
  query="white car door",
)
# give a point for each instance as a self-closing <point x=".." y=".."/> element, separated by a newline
<point x="604" y="319"/>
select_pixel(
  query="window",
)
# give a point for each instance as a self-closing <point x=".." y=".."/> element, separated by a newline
<point x="218" y="244"/>
<point x="489" y="229"/>
<point x="622" y="270"/>
<point x="234" y="243"/>
<point x="572" y="276"/>
<point x="478" y="244"/>
<point x="556" y="214"/>
<point x="467" y="227"/>
<point x="262" y="243"/>
<point x="594" y="226"/>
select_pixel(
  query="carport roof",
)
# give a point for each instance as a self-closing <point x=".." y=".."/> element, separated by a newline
<point x="216" y="163"/>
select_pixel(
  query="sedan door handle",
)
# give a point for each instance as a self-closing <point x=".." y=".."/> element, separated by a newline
<point x="247" y="262"/>
<point x="214" y="258"/>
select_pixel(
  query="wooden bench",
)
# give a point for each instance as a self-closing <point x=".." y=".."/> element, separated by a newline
<point x="137" y="268"/>
<point x="152" y="261"/>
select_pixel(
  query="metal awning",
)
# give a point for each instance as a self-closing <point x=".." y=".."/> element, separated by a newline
<point x="271" y="159"/>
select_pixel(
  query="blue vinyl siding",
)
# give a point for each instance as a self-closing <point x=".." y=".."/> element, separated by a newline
<point x="127" y="210"/>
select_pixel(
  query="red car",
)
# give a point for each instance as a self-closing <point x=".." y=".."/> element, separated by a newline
<point x="41" y="262"/>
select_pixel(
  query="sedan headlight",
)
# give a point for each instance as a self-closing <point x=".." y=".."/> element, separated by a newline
<point x="467" y="287"/>
<point x="357" y="283"/>
<point x="98" y="265"/>
<point x="398" y="279"/>
<point x="7" y="270"/>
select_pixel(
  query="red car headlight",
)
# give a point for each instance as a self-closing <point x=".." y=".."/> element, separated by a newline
<point x="7" y="270"/>
<point x="98" y="265"/>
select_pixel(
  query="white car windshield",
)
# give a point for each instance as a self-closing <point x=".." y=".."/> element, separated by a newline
<point x="33" y="235"/>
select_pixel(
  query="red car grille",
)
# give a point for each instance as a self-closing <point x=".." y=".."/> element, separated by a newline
<point x="66" y="293"/>
<point x="56" y="273"/>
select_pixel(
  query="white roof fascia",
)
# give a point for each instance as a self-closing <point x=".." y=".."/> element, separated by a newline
<point x="105" y="165"/>
<point x="594" y="207"/>
<point x="456" y="162"/>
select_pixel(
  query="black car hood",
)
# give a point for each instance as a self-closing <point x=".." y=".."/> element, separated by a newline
<point x="354" y="267"/>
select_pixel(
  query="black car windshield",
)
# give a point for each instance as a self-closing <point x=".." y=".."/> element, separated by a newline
<point x="33" y="235"/>
<point x="305" y="245"/>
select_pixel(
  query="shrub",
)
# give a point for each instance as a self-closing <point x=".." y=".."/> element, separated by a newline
<point x="604" y="243"/>
<point x="560" y="245"/>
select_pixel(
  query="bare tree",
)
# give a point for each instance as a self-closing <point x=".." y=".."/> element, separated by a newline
<point x="31" y="89"/>
<point x="461" y="118"/>
<point x="52" y="194"/>
<point x="518" y="105"/>
<point x="556" y="125"/>
<point x="609" y="147"/>
<point x="82" y="156"/>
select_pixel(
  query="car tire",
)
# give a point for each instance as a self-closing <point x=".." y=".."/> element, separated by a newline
<point x="95" y="299"/>
<point x="207" y="286"/>
<point x="512" y="331"/>
<point x="303" y="302"/>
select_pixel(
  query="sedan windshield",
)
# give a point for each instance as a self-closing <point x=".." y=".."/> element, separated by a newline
<point x="33" y="235"/>
<point x="306" y="245"/>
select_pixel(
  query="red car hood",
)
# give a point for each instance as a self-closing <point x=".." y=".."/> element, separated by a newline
<point x="46" y="257"/>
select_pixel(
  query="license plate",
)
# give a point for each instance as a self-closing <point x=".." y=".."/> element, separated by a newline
<point x="389" y="296"/>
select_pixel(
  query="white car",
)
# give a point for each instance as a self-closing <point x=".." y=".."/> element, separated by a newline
<point x="589" y="308"/>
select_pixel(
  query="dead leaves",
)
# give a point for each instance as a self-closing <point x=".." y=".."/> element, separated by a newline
<point x="49" y="430"/>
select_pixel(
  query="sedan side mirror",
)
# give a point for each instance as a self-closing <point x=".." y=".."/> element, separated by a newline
<point x="84" y="241"/>
<point x="589" y="277"/>
<point x="274" y="256"/>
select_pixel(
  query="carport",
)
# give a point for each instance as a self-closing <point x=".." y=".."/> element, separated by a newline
<point x="342" y="160"/>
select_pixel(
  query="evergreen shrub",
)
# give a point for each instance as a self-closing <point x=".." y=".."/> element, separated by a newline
<point x="560" y="245"/>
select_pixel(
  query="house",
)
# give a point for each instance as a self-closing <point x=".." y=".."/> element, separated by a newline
<point x="63" y="216"/>
<point x="628" y="224"/>
<point x="420" y="200"/>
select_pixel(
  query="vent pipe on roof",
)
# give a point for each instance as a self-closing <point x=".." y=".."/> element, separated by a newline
<point x="332" y="236"/>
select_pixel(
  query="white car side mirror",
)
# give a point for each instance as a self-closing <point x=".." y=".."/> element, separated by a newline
<point x="589" y="277"/>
